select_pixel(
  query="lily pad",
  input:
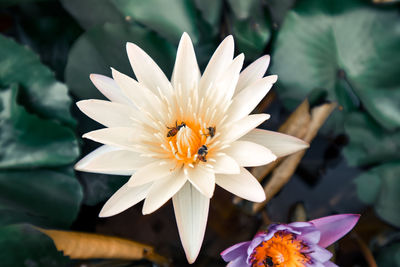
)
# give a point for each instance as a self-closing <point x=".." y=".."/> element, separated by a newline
<point x="48" y="198"/>
<point x="369" y="143"/>
<point x="251" y="33"/>
<point x="168" y="18"/>
<point x="43" y="93"/>
<point x="91" y="13"/>
<point x="29" y="141"/>
<point x="103" y="47"/>
<point x="380" y="186"/>
<point x="23" y="245"/>
<point x="321" y="40"/>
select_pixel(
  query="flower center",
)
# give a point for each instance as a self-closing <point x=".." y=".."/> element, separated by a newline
<point x="283" y="249"/>
<point x="187" y="143"/>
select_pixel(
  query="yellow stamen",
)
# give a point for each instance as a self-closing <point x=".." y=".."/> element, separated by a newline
<point x="283" y="249"/>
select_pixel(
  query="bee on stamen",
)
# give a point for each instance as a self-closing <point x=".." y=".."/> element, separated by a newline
<point x="268" y="262"/>
<point x="202" y="153"/>
<point x="174" y="130"/>
<point x="211" y="131"/>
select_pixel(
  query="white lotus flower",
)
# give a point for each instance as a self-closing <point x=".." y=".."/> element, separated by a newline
<point x="178" y="139"/>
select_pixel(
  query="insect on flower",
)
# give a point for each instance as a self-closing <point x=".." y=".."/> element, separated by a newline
<point x="174" y="130"/>
<point x="202" y="153"/>
<point x="300" y="244"/>
<point x="183" y="162"/>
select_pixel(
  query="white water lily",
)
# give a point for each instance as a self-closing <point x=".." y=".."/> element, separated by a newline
<point x="179" y="138"/>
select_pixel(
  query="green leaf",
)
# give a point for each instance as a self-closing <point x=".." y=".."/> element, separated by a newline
<point x="46" y="96"/>
<point x="252" y="33"/>
<point x="47" y="198"/>
<point x="242" y="9"/>
<point x="380" y="186"/>
<point x="211" y="11"/>
<point x="91" y="13"/>
<point x="103" y="47"/>
<point x="388" y="202"/>
<point x="28" y="141"/>
<point x="23" y="245"/>
<point x="321" y="39"/>
<point x="369" y="143"/>
<point x="168" y="18"/>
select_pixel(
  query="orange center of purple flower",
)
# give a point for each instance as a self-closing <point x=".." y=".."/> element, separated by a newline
<point x="283" y="250"/>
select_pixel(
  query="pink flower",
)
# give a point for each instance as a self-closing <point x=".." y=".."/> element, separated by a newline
<point x="296" y="244"/>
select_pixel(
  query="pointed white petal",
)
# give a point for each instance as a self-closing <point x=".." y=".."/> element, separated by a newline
<point x="202" y="179"/>
<point x="186" y="71"/>
<point x="191" y="212"/>
<point x="117" y="161"/>
<point x="220" y="60"/>
<point x="244" y="102"/>
<point x="109" y="88"/>
<point x="162" y="190"/>
<point x="110" y="114"/>
<point x="138" y="94"/>
<point x="243" y="185"/>
<point x="280" y="144"/>
<point x="249" y="154"/>
<point x="225" y="164"/>
<point x="123" y="137"/>
<point x="227" y="82"/>
<point x="82" y="164"/>
<point x="152" y="172"/>
<point x="252" y="73"/>
<point x="123" y="199"/>
<point x="239" y="128"/>
<point x="147" y="71"/>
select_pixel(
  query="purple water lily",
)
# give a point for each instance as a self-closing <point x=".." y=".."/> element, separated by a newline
<point x="298" y="244"/>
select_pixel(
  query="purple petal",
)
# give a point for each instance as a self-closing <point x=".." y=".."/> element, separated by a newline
<point x="300" y="224"/>
<point x="239" y="262"/>
<point x="320" y="254"/>
<point x="235" y="251"/>
<point x="330" y="264"/>
<point x="309" y="233"/>
<point x="315" y="264"/>
<point x="334" y="227"/>
<point x="257" y="241"/>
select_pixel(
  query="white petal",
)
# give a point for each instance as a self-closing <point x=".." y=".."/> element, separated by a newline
<point x="243" y="185"/>
<point x="147" y="71"/>
<point x="230" y="77"/>
<point x="249" y="154"/>
<point x="82" y="164"/>
<point x="191" y="212"/>
<point x="109" y="88"/>
<point x="110" y="114"/>
<point x="116" y="161"/>
<point x="202" y="179"/>
<point x="225" y="164"/>
<point x="123" y="137"/>
<point x="186" y="71"/>
<point x="138" y="94"/>
<point x="162" y="190"/>
<point x="151" y="172"/>
<point x="280" y="144"/>
<point x="239" y="128"/>
<point x="123" y="199"/>
<point x="252" y="73"/>
<point x="244" y="102"/>
<point x="220" y="60"/>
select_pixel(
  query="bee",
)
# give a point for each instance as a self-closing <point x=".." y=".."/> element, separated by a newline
<point x="211" y="131"/>
<point x="268" y="262"/>
<point x="202" y="153"/>
<point x="174" y="130"/>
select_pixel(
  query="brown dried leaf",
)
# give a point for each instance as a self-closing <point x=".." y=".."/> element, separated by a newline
<point x="78" y="245"/>
<point x="282" y="174"/>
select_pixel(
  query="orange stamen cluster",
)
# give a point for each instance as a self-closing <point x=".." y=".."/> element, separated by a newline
<point x="283" y="250"/>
